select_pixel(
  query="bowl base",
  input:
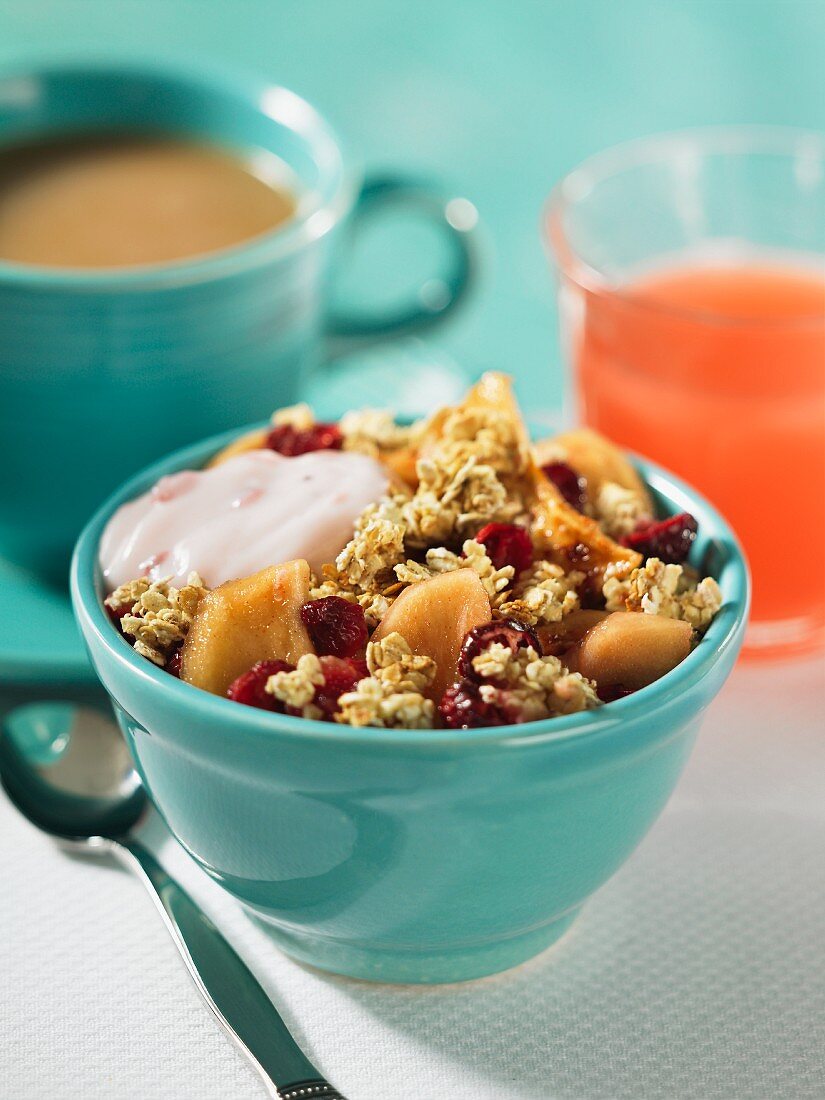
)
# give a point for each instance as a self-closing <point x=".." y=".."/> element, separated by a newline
<point x="410" y="966"/>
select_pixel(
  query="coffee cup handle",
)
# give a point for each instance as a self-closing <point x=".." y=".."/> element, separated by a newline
<point x="439" y="294"/>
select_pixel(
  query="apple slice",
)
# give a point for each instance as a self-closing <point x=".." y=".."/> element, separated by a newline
<point x="630" y="648"/>
<point x="434" y="617"/>
<point x="253" y="619"/>
<point x="558" y="637"/>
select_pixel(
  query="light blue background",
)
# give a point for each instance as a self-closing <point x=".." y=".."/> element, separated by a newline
<point x="501" y="98"/>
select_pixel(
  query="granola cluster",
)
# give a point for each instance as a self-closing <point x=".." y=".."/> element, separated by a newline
<point x="156" y="614"/>
<point x="619" y="510"/>
<point x="473" y="556"/>
<point x="469" y="477"/>
<point x="542" y="594"/>
<point x="531" y="685"/>
<point x="393" y="694"/>
<point x="363" y="571"/>
<point x="300" y="417"/>
<point x="659" y="589"/>
<point x="375" y="431"/>
<point x="296" y="689"/>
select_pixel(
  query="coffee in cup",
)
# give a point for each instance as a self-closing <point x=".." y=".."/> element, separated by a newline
<point x="119" y="199"/>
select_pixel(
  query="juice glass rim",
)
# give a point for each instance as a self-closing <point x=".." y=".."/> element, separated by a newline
<point x="790" y="142"/>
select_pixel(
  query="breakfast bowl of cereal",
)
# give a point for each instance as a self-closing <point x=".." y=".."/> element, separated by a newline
<point x="411" y="693"/>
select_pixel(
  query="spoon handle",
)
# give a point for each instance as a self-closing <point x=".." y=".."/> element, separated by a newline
<point x="228" y="986"/>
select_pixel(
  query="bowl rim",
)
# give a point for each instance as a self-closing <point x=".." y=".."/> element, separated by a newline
<point x="724" y="633"/>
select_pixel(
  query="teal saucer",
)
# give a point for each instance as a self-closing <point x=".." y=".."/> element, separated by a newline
<point x="39" y="642"/>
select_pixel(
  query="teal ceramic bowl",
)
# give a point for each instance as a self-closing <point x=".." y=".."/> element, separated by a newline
<point x="411" y="856"/>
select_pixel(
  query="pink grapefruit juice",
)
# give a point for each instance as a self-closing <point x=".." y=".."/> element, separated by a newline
<point x="717" y="371"/>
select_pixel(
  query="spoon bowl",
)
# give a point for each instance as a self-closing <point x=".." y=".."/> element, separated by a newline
<point x="67" y="769"/>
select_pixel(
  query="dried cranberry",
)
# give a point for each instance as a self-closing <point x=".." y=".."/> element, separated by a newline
<point x="610" y="692"/>
<point x="340" y="675"/>
<point x="462" y="708"/>
<point x="336" y="626"/>
<point x="571" y="486"/>
<point x="508" y="632"/>
<point x="172" y="665"/>
<point x="289" y="440"/>
<point x="249" y="688"/>
<point x="507" y="544"/>
<point x="668" y="539"/>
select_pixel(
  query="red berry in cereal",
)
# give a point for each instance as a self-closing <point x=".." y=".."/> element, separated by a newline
<point x="336" y="626"/>
<point x="507" y="544"/>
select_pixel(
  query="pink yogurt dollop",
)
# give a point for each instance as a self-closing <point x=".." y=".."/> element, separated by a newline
<point x="254" y="510"/>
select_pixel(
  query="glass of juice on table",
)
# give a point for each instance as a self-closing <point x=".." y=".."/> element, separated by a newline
<point x="692" y="303"/>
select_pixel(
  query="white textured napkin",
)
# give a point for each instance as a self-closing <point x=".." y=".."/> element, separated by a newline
<point x="698" y="972"/>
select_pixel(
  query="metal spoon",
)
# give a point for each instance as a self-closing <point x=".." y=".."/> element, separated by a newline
<point x="67" y="769"/>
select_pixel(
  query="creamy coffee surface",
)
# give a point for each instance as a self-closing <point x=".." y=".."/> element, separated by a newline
<point x="120" y="200"/>
<point x="252" y="511"/>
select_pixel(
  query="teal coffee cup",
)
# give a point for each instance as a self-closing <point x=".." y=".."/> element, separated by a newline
<point x="103" y="370"/>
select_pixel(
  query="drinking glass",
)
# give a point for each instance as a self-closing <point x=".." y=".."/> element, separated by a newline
<point x="691" y="295"/>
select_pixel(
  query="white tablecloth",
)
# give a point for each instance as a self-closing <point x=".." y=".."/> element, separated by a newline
<point x="697" y="972"/>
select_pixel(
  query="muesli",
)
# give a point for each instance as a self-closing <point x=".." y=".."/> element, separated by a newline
<point x="445" y="574"/>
